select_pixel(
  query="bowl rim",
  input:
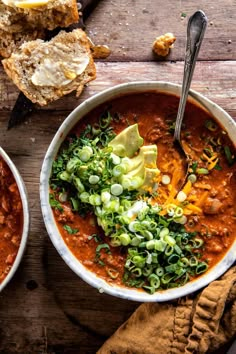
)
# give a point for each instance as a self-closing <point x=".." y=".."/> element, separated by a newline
<point x="26" y="219"/>
<point x="53" y="232"/>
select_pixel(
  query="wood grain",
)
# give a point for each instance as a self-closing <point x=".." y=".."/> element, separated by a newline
<point x="61" y="313"/>
<point x="129" y="27"/>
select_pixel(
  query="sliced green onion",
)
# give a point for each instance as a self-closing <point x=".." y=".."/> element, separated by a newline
<point x="136" y="241"/>
<point x="63" y="197"/>
<point x="112" y="273"/>
<point x="154" y="281"/>
<point x="164" y="232"/>
<point x="150" y="289"/>
<point x="192" y="178"/>
<point x="165" y="179"/>
<point x="116" y="189"/>
<point x="178" y="212"/>
<point x="202" y="171"/>
<point x="210" y="125"/>
<point x="115" y="242"/>
<point x="159" y="271"/>
<point x="198" y="242"/>
<point x="125" y="239"/>
<point x="147" y="234"/>
<point x="154" y="258"/>
<point x="118" y="171"/>
<point x="147" y="270"/>
<point x="166" y="278"/>
<point x="85" y="153"/>
<point x="72" y="164"/>
<point x="75" y="204"/>
<point x="78" y="184"/>
<point x="150" y="245"/>
<point x="228" y="155"/>
<point x="184" y="261"/>
<point x="181" y="196"/>
<point x="84" y="197"/>
<point x="94" y="179"/>
<point x="201" y="268"/>
<point x="160" y="245"/>
<point x="193" y="261"/>
<point x="134" y="226"/>
<point x="95" y="199"/>
<point x="169" y="250"/>
<point x="115" y="159"/>
<point x="65" y="176"/>
<point x="105" y="196"/>
<point x="169" y="240"/>
<point x="173" y="258"/>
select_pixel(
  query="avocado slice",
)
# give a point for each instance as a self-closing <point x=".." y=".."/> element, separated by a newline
<point x="150" y="180"/>
<point x="127" y="142"/>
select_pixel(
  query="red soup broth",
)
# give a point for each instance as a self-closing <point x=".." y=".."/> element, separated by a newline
<point x="11" y="219"/>
<point x="212" y="208"/>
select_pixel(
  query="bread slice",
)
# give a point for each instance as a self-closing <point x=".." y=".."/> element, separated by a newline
<point x="56" y="13"/>
<point x="10" y="42"/>
<point x="46" y="71"/>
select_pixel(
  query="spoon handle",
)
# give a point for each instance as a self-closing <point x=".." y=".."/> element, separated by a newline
<point x="195" y="32"/>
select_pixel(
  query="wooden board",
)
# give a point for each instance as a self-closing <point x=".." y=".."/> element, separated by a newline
<point x="129" y="27"/>
<point x="47" y="309"/>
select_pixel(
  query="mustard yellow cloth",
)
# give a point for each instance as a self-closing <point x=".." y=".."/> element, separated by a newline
<point x="199" y="324"/>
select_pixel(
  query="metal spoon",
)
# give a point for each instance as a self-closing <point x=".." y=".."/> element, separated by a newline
<point x="195" y="32"/>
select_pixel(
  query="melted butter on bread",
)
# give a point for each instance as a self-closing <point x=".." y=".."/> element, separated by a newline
<point x="26" y="4"/>
<point x="59" y="73"/>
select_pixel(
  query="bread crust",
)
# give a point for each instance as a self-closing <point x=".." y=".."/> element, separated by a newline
<point x="21" y="66"/>
<point x="10" y="42"/>
<point x="57" y="13"/>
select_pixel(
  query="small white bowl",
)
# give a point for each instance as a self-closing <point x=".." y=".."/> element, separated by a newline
<point x="24" y="236"/>
<point x="130" y="294"/>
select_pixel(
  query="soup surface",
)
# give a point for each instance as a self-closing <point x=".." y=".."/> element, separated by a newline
<point x="145" y="227"/>
<point x="11" y="219"/>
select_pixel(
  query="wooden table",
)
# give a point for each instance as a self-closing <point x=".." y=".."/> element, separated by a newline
<point x="46" y="308"/>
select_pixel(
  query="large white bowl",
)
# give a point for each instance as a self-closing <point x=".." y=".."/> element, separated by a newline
<point x="24" y="200"/>
<point x="131" y="294"/>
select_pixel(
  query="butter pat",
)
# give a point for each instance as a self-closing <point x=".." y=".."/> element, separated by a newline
<point x="26" y="4"/>
<point x="59" y="73"/>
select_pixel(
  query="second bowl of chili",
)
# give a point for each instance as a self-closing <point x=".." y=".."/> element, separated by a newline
<point x="14" y="218"/>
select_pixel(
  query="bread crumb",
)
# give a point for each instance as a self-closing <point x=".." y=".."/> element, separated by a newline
<point x="161" y="46"/>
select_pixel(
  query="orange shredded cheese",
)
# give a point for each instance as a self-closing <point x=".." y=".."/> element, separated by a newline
<point x="202" y="199"/>
<point x="193" y="208"/>
<point x="203" y="186"/>
<point x="187" y="187"/>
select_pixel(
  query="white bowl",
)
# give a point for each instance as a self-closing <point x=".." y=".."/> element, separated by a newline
<point x="89" y="104"/>
<point x="24" y="236"/>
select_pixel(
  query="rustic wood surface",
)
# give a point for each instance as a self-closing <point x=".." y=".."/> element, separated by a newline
<point x="46" y="308"/>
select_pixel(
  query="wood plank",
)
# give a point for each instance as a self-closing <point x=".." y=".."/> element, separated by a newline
<point x="46" y="308"/>
<point x="130" y="27"/>
<point x="216" y="80"/>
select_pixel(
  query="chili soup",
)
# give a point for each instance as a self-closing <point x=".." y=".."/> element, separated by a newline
<point x="152" y="238"/>
<point x="13" y="224"/>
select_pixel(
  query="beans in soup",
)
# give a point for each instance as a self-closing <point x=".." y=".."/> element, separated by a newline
<point x="119" y="197"/>
<point x="11" y="219"/>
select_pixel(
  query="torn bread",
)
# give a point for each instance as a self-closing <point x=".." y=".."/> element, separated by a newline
<point x="10" y="42"/>
<point x="46" y="71"/>
<point x="55" y="13"/>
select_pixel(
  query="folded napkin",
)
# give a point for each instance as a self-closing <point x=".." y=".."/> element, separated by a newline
<point x="201" y="323"/>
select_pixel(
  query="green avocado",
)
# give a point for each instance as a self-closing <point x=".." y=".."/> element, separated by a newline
<point x="150" y="180"/>
<point x="127" y="142"/>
